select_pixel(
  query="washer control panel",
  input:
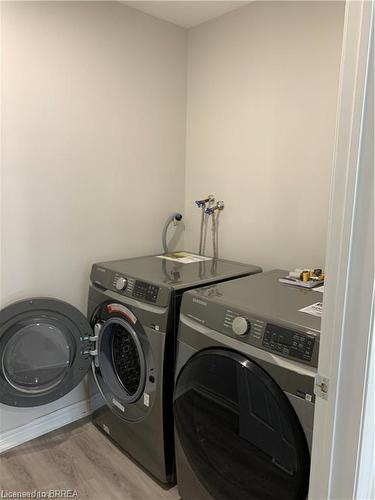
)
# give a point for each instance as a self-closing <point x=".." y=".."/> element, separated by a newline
<point x="128" y="286"/>
<point x="145" y="291"/>
<point x="288" y="343"/>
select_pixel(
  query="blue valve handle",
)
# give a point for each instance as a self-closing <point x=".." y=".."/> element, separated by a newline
<point x="200" y="203"/>
<point x="209" y="211"/>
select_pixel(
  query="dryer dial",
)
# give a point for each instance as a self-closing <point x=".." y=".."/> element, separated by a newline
<point x="121" y="283"/>
<point x="240" y="325"/>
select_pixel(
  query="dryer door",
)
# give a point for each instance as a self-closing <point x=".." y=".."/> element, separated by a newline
<point x="44" y="351"/>
<point x="238" y="431"/>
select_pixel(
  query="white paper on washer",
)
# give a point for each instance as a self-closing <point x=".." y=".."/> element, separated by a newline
<point x="315" y="309"/>
<point x="319" y="289"/>
<point x="184" y="257"/>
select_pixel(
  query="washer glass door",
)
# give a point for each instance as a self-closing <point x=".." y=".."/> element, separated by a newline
<point x="37" y="357"/>
<point x="44" y="351"/>
<point x="238" y="431"/>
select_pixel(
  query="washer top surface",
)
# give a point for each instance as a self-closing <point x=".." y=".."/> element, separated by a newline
<point x="263" y="296"/>
<point x="176" y="275"/>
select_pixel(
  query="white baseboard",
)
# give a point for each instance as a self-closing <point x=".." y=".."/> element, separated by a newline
<point x="48" y="423"/>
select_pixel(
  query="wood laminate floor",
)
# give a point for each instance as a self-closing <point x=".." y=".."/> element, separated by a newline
<point x="78" y="457"/>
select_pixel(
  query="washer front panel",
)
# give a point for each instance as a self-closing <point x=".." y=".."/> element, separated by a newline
<point x="44" y="351"/>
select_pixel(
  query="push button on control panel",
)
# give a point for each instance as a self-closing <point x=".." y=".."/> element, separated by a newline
<point x="145" y="291"/>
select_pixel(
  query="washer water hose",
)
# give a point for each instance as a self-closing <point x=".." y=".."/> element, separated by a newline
<point x="175" y="217"/>
<point x="215" y="242"/>
<point x="214" y="212"/>
<point x="204" y="233"/>
<point x="200" y="251"/>
<point x="202" y="204"/>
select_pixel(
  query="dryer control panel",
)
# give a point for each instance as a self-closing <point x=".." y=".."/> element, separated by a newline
<point x="293" y="344"/>
<point x="259" y="311"/>
<point x="288" y="343"/>
<point x="296" y="343"/>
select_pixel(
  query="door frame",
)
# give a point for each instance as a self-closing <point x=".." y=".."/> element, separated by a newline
<point x="342" y="454"/>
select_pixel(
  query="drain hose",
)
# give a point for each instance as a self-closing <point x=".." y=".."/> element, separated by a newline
<point x="173" y="217"/>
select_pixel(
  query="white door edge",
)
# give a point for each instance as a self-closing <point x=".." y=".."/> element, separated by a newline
<point x="346" y="323"/>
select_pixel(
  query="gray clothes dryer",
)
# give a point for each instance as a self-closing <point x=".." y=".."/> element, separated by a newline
<point x="244" y="394"/>
<point x="47" y="346"/>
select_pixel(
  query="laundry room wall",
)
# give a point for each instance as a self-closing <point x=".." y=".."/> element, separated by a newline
<point x="261" y="110"/>
<point x="93" y="141"/>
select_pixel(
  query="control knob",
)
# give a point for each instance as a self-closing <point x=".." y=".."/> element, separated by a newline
<point x="241" y="325"/>
<point x="121" y="283"/>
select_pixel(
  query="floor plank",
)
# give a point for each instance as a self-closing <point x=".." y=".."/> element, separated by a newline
<point x="78" y="457"/>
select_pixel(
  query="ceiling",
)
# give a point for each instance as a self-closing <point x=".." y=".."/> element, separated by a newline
<point x="185" y="13"/>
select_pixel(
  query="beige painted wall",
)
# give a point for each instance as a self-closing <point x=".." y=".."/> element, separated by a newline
<point x="93" y="130"/>
<point x="93" y="139"/>
<point x="262" y="90"/>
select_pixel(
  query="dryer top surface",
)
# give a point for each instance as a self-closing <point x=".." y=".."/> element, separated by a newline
<point x="263" y="296"/>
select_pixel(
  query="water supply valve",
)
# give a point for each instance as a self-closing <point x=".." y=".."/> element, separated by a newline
<point x="210" y="210"/>
<point x="202" y="203"/>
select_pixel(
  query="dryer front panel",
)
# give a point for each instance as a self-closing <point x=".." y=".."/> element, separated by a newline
<point x="238" y="431"/>
<point x="44" y="351"/>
